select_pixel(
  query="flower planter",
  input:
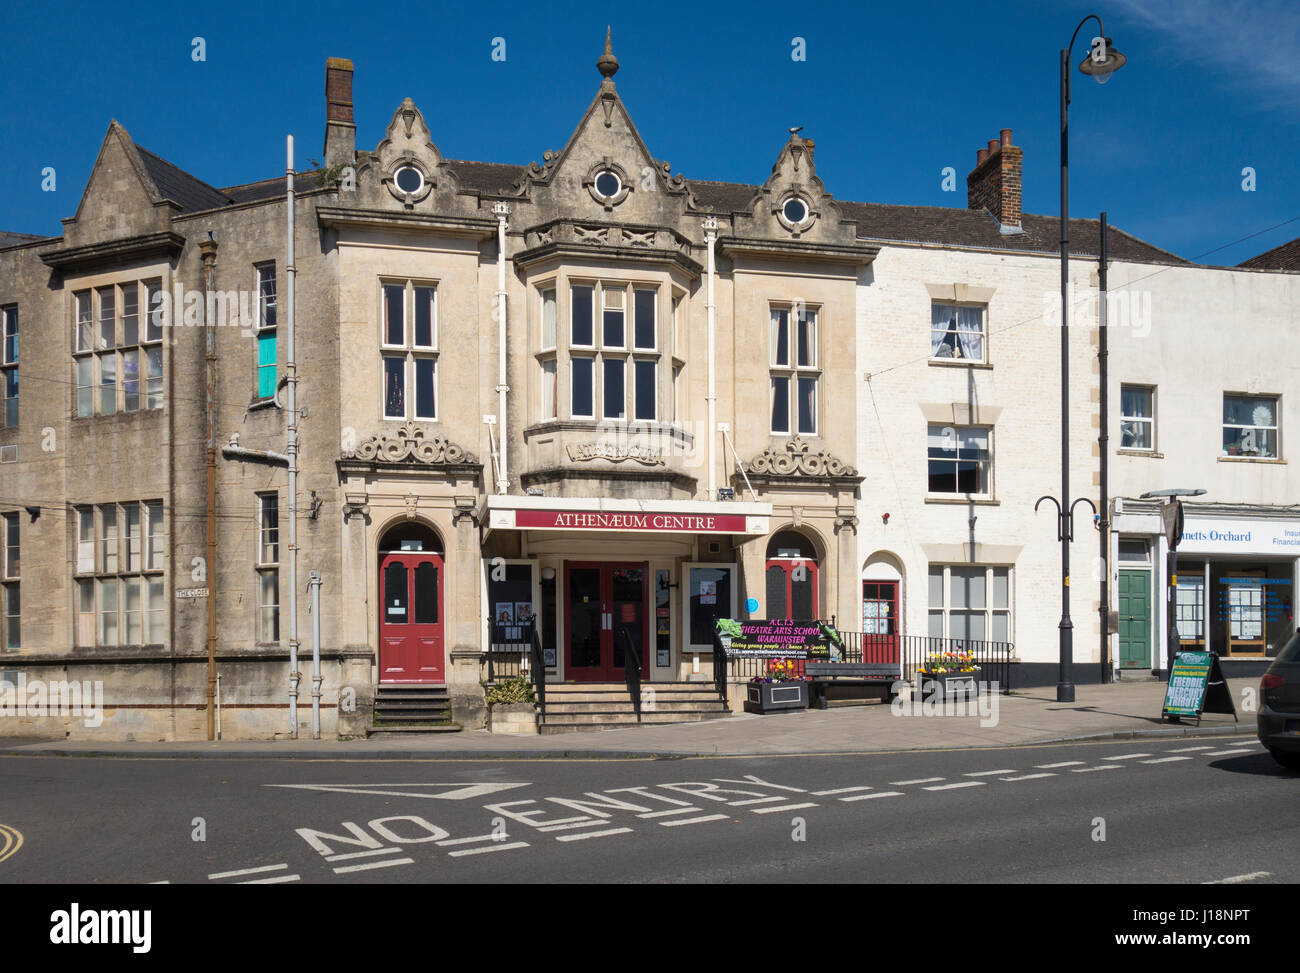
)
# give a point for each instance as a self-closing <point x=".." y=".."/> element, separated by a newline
<point x="775" y="697"/>
<point x="950" y="685"/>
<point x="512" y="718"/>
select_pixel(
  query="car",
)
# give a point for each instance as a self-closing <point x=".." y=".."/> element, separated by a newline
<point x="1278" y="724"/>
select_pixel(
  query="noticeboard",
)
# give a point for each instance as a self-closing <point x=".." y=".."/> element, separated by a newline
<point x="1196" y="686"/>
<point x="775" y="638"/>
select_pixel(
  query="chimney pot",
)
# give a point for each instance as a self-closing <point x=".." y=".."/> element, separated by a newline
<point x="981" y="156"/>
<point x="993" y="145"/>
<point x="1006" y="136"/>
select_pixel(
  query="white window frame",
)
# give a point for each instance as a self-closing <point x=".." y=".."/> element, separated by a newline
<point x="958" y="356"/>
<point x="792" y="372"/>
<point x="8" y="364"/>
<point x="408" y="351"/>
<point x="599" y="353"/>
<point x="1138" y="421"/>
<point x="10" y="583"/>
<point x="988" y="477"/>
<point x="108" y="358"/>
<point x="263" y="569"/>
<point x="1247" y="431"/>
<point x="145" y="571"/>
<point x="989" y="610"/>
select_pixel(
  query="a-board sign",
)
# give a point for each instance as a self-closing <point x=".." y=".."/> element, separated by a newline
<point x="776" y="638"/>
<point x="1196" y="686"/>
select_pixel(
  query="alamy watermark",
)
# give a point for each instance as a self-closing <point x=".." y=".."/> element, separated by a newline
<point x="971" y="698"/>
<point x="59" y="697"/>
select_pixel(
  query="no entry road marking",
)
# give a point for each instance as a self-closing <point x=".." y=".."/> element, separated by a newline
<point x="348" y="856"/>
<point x="366" y="866"/>
<point x="592" y="834"/>
<point x="246" y="871"/>
<point x="868" y="797"/>
<point x="488" y="848"/>
<point x="451" y="792"/>
<point x="919" y="780"/>
<point x="960" y="783"/>
<point x="670" y="813"/>
<point x="699" y="820"/>
<point x="784" y="807"/>
<point x="1028" y="777"/>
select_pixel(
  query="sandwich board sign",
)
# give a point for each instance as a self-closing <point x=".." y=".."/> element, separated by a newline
<point x="1196" y="686"/>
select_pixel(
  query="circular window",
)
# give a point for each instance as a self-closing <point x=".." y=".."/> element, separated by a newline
<point x="409" y="179"/>
<point x="795" y="210"/>
<point x="608" y="184"/>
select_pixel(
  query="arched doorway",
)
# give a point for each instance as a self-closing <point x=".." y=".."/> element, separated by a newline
<point x="882" y="602"/>
<point x="793" y="572"/>
<point x="411" y="578"/>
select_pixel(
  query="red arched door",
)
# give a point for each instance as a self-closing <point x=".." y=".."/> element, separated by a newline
<point x="410" y="617"/>
<point x="880" y="621"/>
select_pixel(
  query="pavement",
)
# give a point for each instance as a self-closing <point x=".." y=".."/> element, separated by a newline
<point x="1125" y="710"/>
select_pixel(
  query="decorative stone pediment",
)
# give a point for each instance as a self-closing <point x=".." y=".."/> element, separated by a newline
<point x="796" y="459"/>
<point x="410" y="445"/>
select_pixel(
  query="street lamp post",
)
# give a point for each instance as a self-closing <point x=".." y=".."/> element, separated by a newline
<point x="1102" y="61"/>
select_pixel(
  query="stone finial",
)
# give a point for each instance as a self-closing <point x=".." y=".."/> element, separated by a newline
<point x="607" y="63"/>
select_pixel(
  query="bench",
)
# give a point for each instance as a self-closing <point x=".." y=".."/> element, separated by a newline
<point x="823" y="674"/>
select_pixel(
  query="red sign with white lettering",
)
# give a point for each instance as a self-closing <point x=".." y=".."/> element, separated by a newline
<point x="594" y="520"/>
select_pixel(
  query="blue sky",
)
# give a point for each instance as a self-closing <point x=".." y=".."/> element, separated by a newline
<point x="892" y="93"/>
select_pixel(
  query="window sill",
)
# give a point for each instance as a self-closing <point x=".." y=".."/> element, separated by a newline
<point x="960" y="363"/>
<point x="1148" y="453"/>
<point x="1252" y="459"/>
<point x="962" y="499"/>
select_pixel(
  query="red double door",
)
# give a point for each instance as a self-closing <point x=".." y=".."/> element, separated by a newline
<point x="410" y="618"/>
<point x="605" y="609"/>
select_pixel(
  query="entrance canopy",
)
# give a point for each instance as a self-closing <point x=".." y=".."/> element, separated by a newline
<point x="607" y="516"/>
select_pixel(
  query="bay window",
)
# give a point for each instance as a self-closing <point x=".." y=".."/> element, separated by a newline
<point x="613" y="371"/>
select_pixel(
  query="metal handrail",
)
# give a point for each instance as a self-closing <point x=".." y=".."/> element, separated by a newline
<point x="538" y="667"/>
<point x="631" y="670"/>
<point x="720" y="669"/>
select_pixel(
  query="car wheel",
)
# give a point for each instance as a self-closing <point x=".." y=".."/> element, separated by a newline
<point x="1291" y="761"/>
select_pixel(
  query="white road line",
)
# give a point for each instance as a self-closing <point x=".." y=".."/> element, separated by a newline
<point x="840" y="790"/>
<point x="1187" y="749"/>
<point x="1063" y="763"/>
<point x="983" y="773"/>
<point x="363" y="854"/>
<point x="948" y="787"/>
<point x="919" y="780"/>
<point x="1164" y="760"/>
<point x="1224" y="753"/>
<point x="466" y="841"/>
<point x="867" y="797"/>
<point x="707" y="817"/>
<point x="1088" y="770"/>
<point x="670" y="813"/>
<point x="756" y="800"/>
<point x="1238" y="879"/>
<point x="784" y="807"/>
<point x="1028" y="777"/>
<point x="163" y="882"/>
<point x="1128" y="756"/>
<point x="484" y="850"/>
<point x="592" y="834"/>
<point x="246" y="871"/>
<point x="585" y="823"/>
<point x="278" y="880"/>
<point x="366" y="866"/>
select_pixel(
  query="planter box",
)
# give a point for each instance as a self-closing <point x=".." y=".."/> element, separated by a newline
<point x="950" y="685"/>
<point x="775" y="697"/>
<point x="512" y="718"/>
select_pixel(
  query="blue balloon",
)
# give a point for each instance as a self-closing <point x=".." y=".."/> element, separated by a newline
<point x="751" y="605"/>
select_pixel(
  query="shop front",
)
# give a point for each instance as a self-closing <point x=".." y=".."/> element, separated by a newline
<point x="1237" y="571"/>
<point x="607" y="582"/>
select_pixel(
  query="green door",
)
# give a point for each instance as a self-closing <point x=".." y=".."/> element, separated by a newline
<point x="1135" y="619"/>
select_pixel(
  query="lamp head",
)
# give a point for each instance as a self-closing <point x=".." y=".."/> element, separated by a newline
<point x="1103" y="60"/>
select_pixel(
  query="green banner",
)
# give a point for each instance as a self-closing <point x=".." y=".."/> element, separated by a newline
<point x="1187" y="682"/>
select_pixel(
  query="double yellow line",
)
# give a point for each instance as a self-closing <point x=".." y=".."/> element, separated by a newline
<point x="11" y="839"/>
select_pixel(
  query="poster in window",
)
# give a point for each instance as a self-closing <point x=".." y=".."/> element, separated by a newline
<point x="708" y="592"/>
<point x="505" y="613"/>
<point x="523" y="613"/>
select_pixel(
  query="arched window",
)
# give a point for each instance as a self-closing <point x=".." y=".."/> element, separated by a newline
<point x="411" y="537"/>
<point x="792" y="572"/>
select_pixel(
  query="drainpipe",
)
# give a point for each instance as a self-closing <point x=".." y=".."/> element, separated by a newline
<point x="291" y="373"/>
<point x="313" y="582"/>
<point x="208" y="248"/>
<point x="711" y="237"/>
<point x="233" y="450"/>
<point x="502" y="210"/>
<point x="1104" y="441"/>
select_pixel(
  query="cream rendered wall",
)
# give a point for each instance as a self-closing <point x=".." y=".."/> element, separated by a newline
<point x="1019" y="395"/>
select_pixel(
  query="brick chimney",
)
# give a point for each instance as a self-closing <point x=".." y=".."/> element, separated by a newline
<point x="340" y="130"/>
<point x="994" y="183"/>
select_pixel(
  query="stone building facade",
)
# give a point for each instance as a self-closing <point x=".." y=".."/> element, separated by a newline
<point x="587" y="391"/>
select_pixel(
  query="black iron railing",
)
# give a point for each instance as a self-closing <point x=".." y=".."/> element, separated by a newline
<point x="631" y="669"/>
<point x="537" y="668"/>
<point x="911" y="653"/>
<point x="508" y="646"/>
